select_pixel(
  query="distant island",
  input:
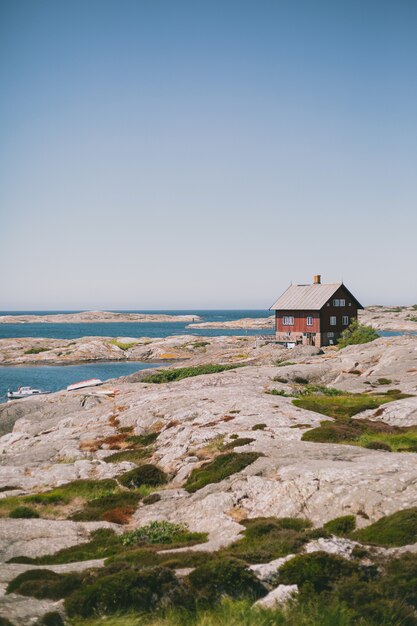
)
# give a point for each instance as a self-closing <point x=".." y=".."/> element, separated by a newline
<point x="90" y="317"/>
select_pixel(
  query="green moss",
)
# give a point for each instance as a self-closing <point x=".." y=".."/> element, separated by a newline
<point x="148" y="474"/>
<point x="166" y="376"/>
<point x="341" y="526"/>
<point x="23" y="512"/>
<point x="220" y="468"/>
<point x="342" y="406"/>
<point x="398" y="529"/>
<point x="142" y="440"/>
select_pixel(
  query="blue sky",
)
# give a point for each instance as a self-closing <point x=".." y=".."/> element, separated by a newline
<point x="178" y="154"/>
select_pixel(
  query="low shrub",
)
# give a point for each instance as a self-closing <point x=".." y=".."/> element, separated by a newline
<point x="259" y="427"/>
<point x="341" y="406"/>
<point x="220" y="468"/>
<point x="116" y="508"/>
<point x="224" y="577"/>
<point x="167" y="376"/>
<point x="378" y="445"/>
<point x="268" y="538"/>
<point x="398" y="529"/>
<point x="280" y="392"/>
<point x="53" y="618"/>
<point x="142" y="440"/>
<point x="133" y="456"/>
<point x="83" y="488"/>
<point x="162" y="532"/>
<point x="318" y="570"/>
<point x="384" y="381"/>
<point x="23" y="512"/>
<point x="43" y="583"/>
<point x="123" y="345"/>
<point x="143" y="475"/>
<point x="341" y="526"/>
<point x="357" y="333"/>
<point x="126" y="590"/>
<point x="300" y="380"/>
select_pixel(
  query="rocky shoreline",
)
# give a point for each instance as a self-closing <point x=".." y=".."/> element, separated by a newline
<point x="53" y="440"/>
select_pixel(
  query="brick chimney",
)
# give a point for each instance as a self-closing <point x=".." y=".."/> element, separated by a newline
<point x="317" y="279"/>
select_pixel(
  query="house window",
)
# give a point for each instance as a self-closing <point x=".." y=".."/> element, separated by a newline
<point x="309" y="321"/>
<point x="339" y="302"/>
<point x="330" y="334"/>
<point x="345" y="320"/>
<point x="333" y="320"/>
<point x="288" y="320"/>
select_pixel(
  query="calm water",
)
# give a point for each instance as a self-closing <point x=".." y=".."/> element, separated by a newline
<point x="56" y="377"/>
<point x="129" y="329"/>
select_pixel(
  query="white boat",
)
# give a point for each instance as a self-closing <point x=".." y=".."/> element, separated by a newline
<point x="25" y="392"/>
<point x="92" y="382"/>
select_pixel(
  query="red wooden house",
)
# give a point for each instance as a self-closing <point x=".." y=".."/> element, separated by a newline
<point x="314" y="314"/>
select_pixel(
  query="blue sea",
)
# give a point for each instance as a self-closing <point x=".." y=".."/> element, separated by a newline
<point x="56" y="377"/>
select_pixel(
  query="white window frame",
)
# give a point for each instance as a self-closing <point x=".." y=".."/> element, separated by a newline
<point x="345" y="320"/>
<point x="309" y="320"/>
<point x="288" y="320"/>
<point x="339" y="302"/>
<point x="333" y="320"/>
<point x="336" y="302"/>
<point x="330" y="334"/>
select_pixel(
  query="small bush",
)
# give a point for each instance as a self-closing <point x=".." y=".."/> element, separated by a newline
<point x="133" y="456"/>
<point x="357" y="333"/>
<point x="162" y="532"/>
<point x="53" y="618"/>
<point x="167" y="376"/>
<point x="319" y="570"/>
<point x="220" y="468"/>
<point x="143" y="475"/>
<point x="23" y="512"/>
<point x="384" y="381"/>
<point x="43" y="583"/>
<point x="259" y="427"/>
<point x="280" y="392"/>
<point x="116" y="508"/>
<point x="142" y="440"/>
<point x="341" y="526"/>
<point x="125" y="590"/>
<point x="398" y="529"/>
<point x="200" y="344"/>
<point x="224" y="577"/>
<point x="268" y="538"/>
<point x="300" y="380"/>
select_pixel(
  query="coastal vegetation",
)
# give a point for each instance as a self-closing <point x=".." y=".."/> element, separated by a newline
<point x="123" y="345"/>
<point x="368" y="433"/>
<point x="218" y="469"/>
<point x="37" y="350"/>
<point x="171" y="375"/>
<point x="357" y="333"/>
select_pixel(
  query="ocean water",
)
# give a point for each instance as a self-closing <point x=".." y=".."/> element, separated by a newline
<point x="130" y="329"/>
<point x="57" y="377"/>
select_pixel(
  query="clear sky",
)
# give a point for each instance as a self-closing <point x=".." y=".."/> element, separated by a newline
<point x="204" y="154"/>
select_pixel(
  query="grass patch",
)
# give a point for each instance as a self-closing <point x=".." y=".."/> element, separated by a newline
<point x="167" y="376"/>
<point x="268" y="538"/>
<point x="398" y="529"/>
<point x="220" y="468"/>
<point x="122" y="345"/>
<point x="341" y="526"/>
<point x="24" y="512"/>
<point x="36" y="350"/>
<point x="343" y="406"/>
<point x="284" y="363"/>
<point x="280" y="392"/>
<point x="237" y="442"/>
<point x="43" y="583"/>
<point x="259" y="427"/>
<point x="133" y="456"/>
<point x="355" y="334"/>
<point x="142" y="440"/>
<point x="200" y="344"/>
